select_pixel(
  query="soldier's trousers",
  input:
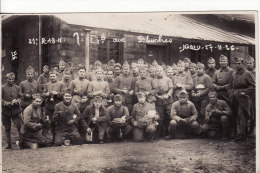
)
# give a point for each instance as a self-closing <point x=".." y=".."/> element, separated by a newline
<point x="73" y="136"/>
<point x="6" y="120"/>
<point x="34" y="137"/>
<point x="242" y="119"/>
<point x="165" y="114"/>
<point x="140" y="133"/>
<point x="113" y="131"/>
<point x="178" y="129"/>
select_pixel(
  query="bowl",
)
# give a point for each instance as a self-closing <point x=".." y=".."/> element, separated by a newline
<point x="67" y="142"/>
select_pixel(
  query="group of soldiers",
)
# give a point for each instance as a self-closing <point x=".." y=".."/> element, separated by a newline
<point x="140" y="101"/>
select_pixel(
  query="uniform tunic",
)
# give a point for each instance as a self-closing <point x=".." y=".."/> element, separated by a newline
<point x="42" y="80"/>
<point x="31" y="88"/>
<point x="185" y="80"/>
<point x="79" y="87"/>
<point x="210" y="71"/>
<point x="206" y="81"/>
<point x="184" y="110"/>
<point x="146" y="85"/>
<point x="98" y="86"/>
<point x="165" y="87"/>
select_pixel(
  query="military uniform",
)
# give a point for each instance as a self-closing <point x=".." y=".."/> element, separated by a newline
<point x="139" y="111"/>
<point x="182" y="81"/>
<point x="147" y="84"/>
<point x="42" y="80"/>
<point x="101" y="123"/>
<point x="210" y="71"/>
<point x="64" y="112"/>
<point x="98" y="88"/>
<point x="31" y="132"/>
<point x="11" y="111"/>
<point x="185" y="111"/>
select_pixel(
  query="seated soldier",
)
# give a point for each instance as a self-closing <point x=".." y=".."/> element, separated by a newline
<point x="184" y="115"/>
<point x="94" y="119"/>
<point x="118" y="119"/>
<point x="142" y="128"/>
<point x="33" y="123"/>
<point x="217" y="113"/>
<point x="66" y="117"/>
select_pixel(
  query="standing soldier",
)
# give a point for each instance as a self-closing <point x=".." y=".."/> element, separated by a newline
<point x="181" y="80"/>
<point x="193" y="71"/>
<point x="62" y="66"/>
<point x="202" y="86"/>
<point x="169" y="72"/>
<point x="53" y="93"/>
<point x="140" y="63"/>
<point x="11" y="107"/>
<point x="111" y="83"/>
<point x="242" y="88"/>
<point x="187" y="65"/>
<point x="152" y="72"/>
<point x="211" y="67"/>
<point x="66" y="119"/>
<point x="79" y="89"/>
<point x="250" y="63"/>
<point x="164" y="100"/>
<point x="95" y="118"/>
<point x="33" y="122"/>
<point x="111" y="64"/>
<point x="218" y="114"/>
<point x="44" y="77"/>
<point x="28" y="88"/>
<point x="175" y="69"/>
<point x="98" y="87"/>
<point x="183" y="117"/>
<point x="117" y="70"/>
<point x="147" y="86"/>
<point x="124" y="85"/>
<point x="221" y="79"/>
<point x="66" y="79"/>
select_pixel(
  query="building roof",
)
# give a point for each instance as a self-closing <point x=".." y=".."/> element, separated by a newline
<point x="165" y="24"/>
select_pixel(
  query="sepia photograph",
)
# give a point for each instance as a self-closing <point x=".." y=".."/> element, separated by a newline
<point x="119" y="92"/>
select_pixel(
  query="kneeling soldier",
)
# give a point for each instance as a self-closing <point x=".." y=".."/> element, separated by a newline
<point x="184" y="115"/>
<point x="66" y="117"/>
<point x="94" y="118"/>
<point x="118" y="115"/>
<point x="217" y="113"/>
<point x="140" y="109"/>
<point x="33" y="123"/>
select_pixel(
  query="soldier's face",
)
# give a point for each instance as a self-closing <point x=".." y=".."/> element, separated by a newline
<point x="117" y="71"/>
<point x="250" y="65"/>
<point x="175" y="71"/>
<point x="97" y="104"/>
<point x="97" y="66"/>
<point x="30" y="76"/>
<point x="140" y="64"/>
<point x="67" y="97"/>
<point x="200" y="70"/>
<point x="143" y="73"/>
<point x="61" y="67"/>
<point x="82" y="73"/>
<point x="110" y="75"/>
<point x="141" y="99"/>
<point x="183" y="98"/>
<point x="187" y="64"/>
<point x="212" y="99"/>
<point x="53" y="77"/>
<point x="223" y="62"/>
<point x="152" y="73"/>
<point x="192" y="69"/>
<point x="159" y="72"/>
<point x="239" y="65"/>
<point x="10" y="80"/>
<point x="118" y="103"/>
<point x="211" y="65"/>
<point x="169" y="73"/>
<point x="37" y="102"/>
<point x="125" y="70"/>
<point x="181" y="68"/>
<point x="45" y="70"/>
<point x="66" y="76"/>
<point x="99" y="75"/>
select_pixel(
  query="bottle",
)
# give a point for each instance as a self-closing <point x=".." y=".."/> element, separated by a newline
<point x="89" y="135"/>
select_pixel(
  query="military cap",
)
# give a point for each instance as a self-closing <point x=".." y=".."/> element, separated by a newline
<point x="192" y="64"/>
<point x="37" y="96"/>
<point x="174" y="66"/>
<point x="183" y="92"/>
<point x="99" y="70"/>
<point x="46" y="67"/>
<point x="97" y="98"/>
<point x="68" y="91"/>
<point x="29" y="69"/>
<point x="169" y="68"/>
<point x="212" y="93"/>
<point x="81" y="66"/>
<point x="237" y="59"/>
<point x="159" y="67"/>
<point x="186" y="60"/>
<point x="223" y="57"/>
<point x="180" y="62"/>
<point x="53" y="71"/>
<point x="151" y="69"/>
<point x="154" y="63"/>
<point x="117" y="65"/>
<point x="118" y="97"/>
<point x="111" y="62"/>
<point x="211" y="60"/>
<point x="140" y="94"/>
<point x="200" y="65"/>
<point x="249" y="58"/>
<point x="141" y="68"/>
<point x="66" y="71"/>
<point x="10" y="75"/>
<point x="62" y="61"/>
<point x="97" y="63"/>
<point x="125" y="64"/>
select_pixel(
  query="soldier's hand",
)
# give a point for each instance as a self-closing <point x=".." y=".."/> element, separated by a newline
<point x="84" y="100"/>
<point x="89" y="130"/>
<point x="28" y="95"/>
<point x="39" y="126"/>
<point x="124" y="91"/>
<point x="131" y="92"/>
<point x="70" y="122"/>
<point x="135" y="123"/>
<point x="94" y="119"/>
<point x="54" y="93"/>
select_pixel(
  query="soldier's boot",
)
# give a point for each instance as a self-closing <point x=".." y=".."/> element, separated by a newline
<point x="8" y="140"/>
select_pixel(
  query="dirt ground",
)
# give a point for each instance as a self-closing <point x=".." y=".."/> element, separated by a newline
<point x="180" y="156"/>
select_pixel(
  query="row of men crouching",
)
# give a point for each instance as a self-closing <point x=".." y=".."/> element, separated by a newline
<point x="113" y="123"/>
